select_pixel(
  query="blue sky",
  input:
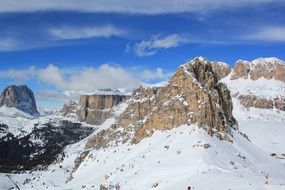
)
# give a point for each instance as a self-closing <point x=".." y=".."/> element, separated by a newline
<point x="60" y="46"/>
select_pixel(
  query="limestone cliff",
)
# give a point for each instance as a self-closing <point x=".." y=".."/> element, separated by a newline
<point x="268" y="68"/>
<point x="259" y="75"/>
<point x="93" y="109"/>
<point x="221" y="69"/>
<point x="193" y="95"/>
<point x="261" y="102"/>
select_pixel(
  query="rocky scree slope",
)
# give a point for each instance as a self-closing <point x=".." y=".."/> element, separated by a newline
<point x="20" y="97"/>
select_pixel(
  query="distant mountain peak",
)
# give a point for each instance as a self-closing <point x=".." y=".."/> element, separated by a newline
<point x="268" y="68"/>
<point x="20" y="97"/>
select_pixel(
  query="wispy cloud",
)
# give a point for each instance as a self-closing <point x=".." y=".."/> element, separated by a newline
<point x="150" y="47"/>
<point x="53" y="95"/>
<point x="268" y="33"/>
<point x="127" y="6"/>
<point x="8" y="44"/>
<point x="69" y="32"/>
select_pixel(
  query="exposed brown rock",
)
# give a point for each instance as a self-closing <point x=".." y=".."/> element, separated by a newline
<point x="221" y="69"/>
<point x="192" y="96"/>
<point x="241" y="70"/>
<point x="93" y="109"/>
<point x="262" y="103"/>
<point x="268" y="68"/>
<point x="71" y="107"/>
<point x="80" y="158"/>
<point x="100" y="102"/>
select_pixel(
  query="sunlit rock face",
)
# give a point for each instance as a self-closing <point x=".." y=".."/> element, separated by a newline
<point x="268" y="68"/>
<point x="93" y="109"/>
<point x="272" y="73"/>
<point x="193" y="95"/>
<point x="221" y="69"/>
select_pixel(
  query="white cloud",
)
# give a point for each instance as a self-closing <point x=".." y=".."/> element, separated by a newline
<point x="154" y="75"/>
<point x="88" y="79"/>
<point x="25" y="74"/>
<point x="85" y="79"/>
<point x="52" y="95"/>
<point x="148" y="48"/>
<point x="127" y="6"/>
<point x="52" y="75"/>
<point x="67" y="33"/>
<point x="272" y="34"/>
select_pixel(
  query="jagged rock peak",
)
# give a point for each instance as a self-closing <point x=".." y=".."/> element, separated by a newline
<point x="20" y="97"/>
<point x="192" y="96"/>
<point x="268" y="68"/>
<point x="220" y="68"/>
<point x="200" y="69"/>
<point x="266" y="60"/>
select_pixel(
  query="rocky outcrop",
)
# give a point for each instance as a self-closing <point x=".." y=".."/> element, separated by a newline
<point x="93" y="109"/>
<point x="20" y="97"/>
<point x="69" y="108"/>
<point x="221" y="69"/>
<point x="253" y="93"/>
<point x="268" y="68"/>
<point x="241" y="70"/>
<point x="193" y="95"/>
<point x="262" y="103"/>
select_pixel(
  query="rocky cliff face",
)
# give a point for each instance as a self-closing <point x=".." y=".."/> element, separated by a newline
<point x="20" y="97"/>
<point x="272" y="73"/>
<point x="268" y="68"/>
<point x="261" y="102"/>
<point x="221" y="69"/>
<point x="193" y="95"/>
<point x="93" y="109"/>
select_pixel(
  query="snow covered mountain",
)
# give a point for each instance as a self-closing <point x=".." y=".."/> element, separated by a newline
<point x="20" y="97"/>
<point x="192" y="131"/>
<point x="258" y="92"/>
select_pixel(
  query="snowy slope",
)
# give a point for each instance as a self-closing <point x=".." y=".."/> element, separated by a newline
<point x="262" y="87"/>
<point x="21" y="123"/>
<point x="265" y="127"/>
<point x="174" y="159"/>
<point x="168" y="160"/>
